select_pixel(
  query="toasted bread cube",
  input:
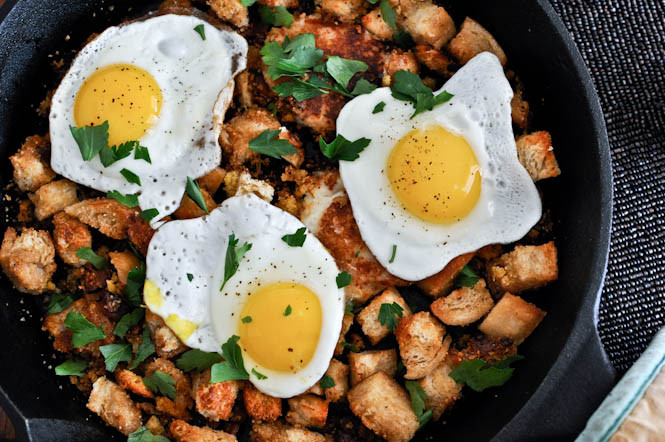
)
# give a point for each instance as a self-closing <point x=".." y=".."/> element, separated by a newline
<point x="276" y="432"/>
<point x="345" y="10"/>
<point x="398" y="61"/>
<point x="421" y="344"/>
<point x="129" y="380"/>
<point x="259" y="405"/>
<point x="124" y="262"/>
<point x="139" y="233"/>
<point x="384" y="407"/>
<point x="427" y="23"/>
<point x="368" y="318"/>
<point x="519" y="109"/>
<point x="526" y="267"/>
<point x="365" y="364"/>
<point x="373" y="21"/>
<point x="106" y="215"/>
<point x="339" y="373"/>
<point x="512" y="317"/>
<point x="188" y="209"/>
<point x="464" y="306"/>
<point x="214" y="401"/>
<point x="284" y="3"/>
<point x="31" y="169"/>
<point x="489" y="251"/>
<point x="53" y="197"/>
<point x="183" y="389"/>
<point x="212" y="180"/>
<point x="473" y="39"/>
<point x="347" y="322"/>
<point x="440" y="283"/>
<point x="240" y="183"/>
<point x="69" y="235"/>
<point x="155" y="426"/>
<point x="231" y="11"/>
<point x="28" y="260"/>
<point x="167" y="344"/>
<point x="183" y="432"/>
<point x="434" y="59"/>
<point x="307" y="410"/>
<point x="114" y="406"/>
<point x="536" y="154"/>
<point x="441" y="390"/>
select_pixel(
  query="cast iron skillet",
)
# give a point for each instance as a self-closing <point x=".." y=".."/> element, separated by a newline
<point x="566" y="373"/>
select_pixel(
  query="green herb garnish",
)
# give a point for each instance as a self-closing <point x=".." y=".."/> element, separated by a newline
<point x="85" y="331"/>
<point x="350" y="346"/>
<point x="480" y="375"/>
<point x="130" y="176"/>
<point x="342" y="149"/>
<point x="129" y="200"/>
<point x="233" y="367"/>
<point x="277" y="16"/>
<point x="343" y="279"/>
<point x="128" y="321"/>
<point x="145" y="349"/>
<point x="135" y="281"/>
<point x="389" y="314"/>
<point x="392" y="255"/>
<point x="190" y="277"/>
<point x="269" y="143"/>
<point x="87" y="254"/>
<point x="246" y="319"/>
<point x="379" y="107"/>
<point x="418" y="398"/>
<point x="71" y="368"/>
<point x="258" y="375"/>
<point x="287" y="311"/>
<point x="149" y="214"/>
<point x="409" y="87"/>
<point x="161" y="383"/>
<point x="295" y="239"/>
<point x="233" y="257"/>
<point x="59" y="302"/>
<point x="467" y="277"/>
<point x="327" y="382"/>
<point x="144" y="435"/>
<point x="116" y="353"/>
<point x="194" y="192"/>
<point x="197" y="360"/>
<point x="91" y="139"/>
<point x="200" y="29"/>
<point x="403" y="39"/>
<point x="110" y="154"/>
<point x="142" y="153"/>
<point x="388" y="13"/>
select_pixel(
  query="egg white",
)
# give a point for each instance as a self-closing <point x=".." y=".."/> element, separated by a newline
<point x="508" y="206"/>
<point x="195" y="77"/>
<point x="198" y="247"/>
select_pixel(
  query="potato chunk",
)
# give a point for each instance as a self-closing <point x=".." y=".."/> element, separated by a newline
<point x="31" y="168"/>
<point x="307" y="410"/>
<point x="114" y="406"/>
<point x="536" y="154"/>
<point x="463" y="306"/>
<point x="512" y="317"/>
<point x="69" y="235"/>
<point x="421" y="344"/>
<point x="473" y="39"/>
<point x="183" y="432"/>
<point x="53" y="197"/>
<point x="526" y="267"/>
<point x="28" y="260"/>
<point x="366" y="363"/>
<point x="384" y="407"/>
<point x="368" y="318"/>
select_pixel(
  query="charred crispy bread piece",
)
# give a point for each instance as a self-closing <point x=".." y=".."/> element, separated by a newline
<point x="139" y="233"/>
<point x="31" y="168"/>
<point x="69" y="235"/>
<point x="373" y="21"/>
<point x="426" y="22"/>
<point x="183" y="389"/>
<point x="526" y="267"/>
<point x="124" y="262"/>
<point x="28" y="260"/>
<point x="188" y="209"/>
<point x="490" y="349"/>
<point x="106" y="215"/>
<point x="339" y="373"/>
<point x="260" y="406"/>
<point x="347" y="322"/>
<point x="214" y="401"/>
<point x="464" y="305"/>
<point x="183" y="432"/>
<point x="536" y="154"/>
<point x="129" y="380"/>
<point x="512" y="317"/>
<point x="434" y="59"/>
<point x="421" y="344"/>
<point x="114" y="406"/>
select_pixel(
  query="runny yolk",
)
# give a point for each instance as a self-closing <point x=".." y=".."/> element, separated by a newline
<point x="126" y="96"/>
<point x="435" y="175"/>
<point x="278" y="337"/>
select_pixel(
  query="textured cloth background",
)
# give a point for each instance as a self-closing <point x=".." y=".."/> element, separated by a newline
<point x="623" y="44"/>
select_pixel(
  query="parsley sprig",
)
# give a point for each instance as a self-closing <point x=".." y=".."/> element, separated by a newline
<point x="389" y="314"/>
<point x="71" y="368"/>
<point x="161" y="383"/>
<point x="87" y="254"/>
<point x="480" y="375"/>
<point x="296" y="239"/>
<point x="59" y="302"/>
<point x="85" y="331"/>
<point x="467" y="277"/>
<point x="342" y="149"/>
<point x="116" y="353"/>
<point x="94" y="140"/>
<point x="269" y="143"/>
<point x="144" y="435"/>
<point x="233" y="367"/>
<point x="197" y="360"/>
<point x="233" y="257"/>
<point x="409" y="87"/>
<point x="418" y="398"/>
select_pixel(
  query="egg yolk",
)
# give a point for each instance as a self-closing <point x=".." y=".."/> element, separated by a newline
<point x="279" y="326"/>
<point x="435" y="175"/>
<point x="126" y="96"/>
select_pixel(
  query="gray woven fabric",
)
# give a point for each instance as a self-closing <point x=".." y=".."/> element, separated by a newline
<point x="623" y="44"/>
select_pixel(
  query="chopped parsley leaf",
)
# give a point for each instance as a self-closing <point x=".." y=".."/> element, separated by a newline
<point x="388" y="314"/>
<point x="145" y="349"/>
<point x="480" y="375"/>
<point x="379" y="107"/>
<point x="142" y="153"/>
<point x="388" y="13"/>
<point x="87" y="254"/>
<point x="409" y="87"/>
<point x="128" y="321"/>
<point x="418" y="398"/>
<point x="269" y="143"/>
<point x="116" y="353"/>
<point x="467" y="277"/>
<point x="233" y="257"/>
<point x="258" y="375"/>
<point x="91" y="139"/>
<point x="295" y="239"/>
<point x="144" y="435"/>
<point x="130" y="176"/>
<point x="85" y="331"/>
<point x="343" y="279"/>
<point x="278" y="16"/>
<point x="288" y="310"/>
<point x="194" y="192"/>
<point x="350" y="346"/>
<point x="129" y="200"/>
<point x="232" y="368"/>
<point x="394" y="252"/>
<point x="135" y="280"/>
<point x="59" y="302"/>
<point x="246" y="319"/>
<point x="71" y="368"/>
<point x="149" y="214"/>
<point x="200" y="29"/>
<point x="190" y="277"/>
<point x="327" y="382"/>
<point x="110" y="154"/>
<point x="197" y="360"/>
<point x="161" y="383"/>
<point x="342" y="149"/>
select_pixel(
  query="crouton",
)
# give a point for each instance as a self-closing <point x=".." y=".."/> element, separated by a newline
<point x="128" y="380"/>
<point x="441" y="390"/>
<point x="384" y="407"/>
<point x="251" y="87"/>
<point x="114" y="406"/>
<point x="347" y="322"/>
<point x="339" y="373"/>
<point x="519" y="109"/>
<point x="283" y="3"/>
<point x="345" y="10"/>
<point x="231" y="11"/>
<point x="53" y="197"/>
<point x="214" y="401"/>
<point x="440" y="283"/>
<point x="487" y="348"/>
<point x="526" y="267"/>
<point x="434" y="60"/>
<point x="260" y="406"/>
<point x="183" y="389"/>
<point x="373" y="21"/>
<point x="276" y="432"/>
<point x="536" y="154"/>
<point x="31" y="168"/>
<point x="69" y="235"/>
<point x="167" y="344"/>
<point x="62" y="337"/>
<point x="124" y="262"/>
<point x="421" y="344"/>
<point x="28" y="260"/>
<point x="241" y="183"/>
<point x="139" y="233"/>
<point x="106" y="215"/>
<point x="188" y="209"/>
<point x="512" y="317"/>
<point x="426" y="22"/>
<point x="307" y="410"/>
<point x="368" y="318"/>
<point x="25" y="211"/>
<point x="155" y="426"/>
<point x="241" y="129"/>
<point x="287" y="202"/>
<point x="473" y="39"/>
<point x="365" y="364"/>
<point x="464" y="305"/>
<point x="183" y="432"/>
<point x="212" y="180"/>
<point x="489" y="252"/>
<point x="398" y="61"/>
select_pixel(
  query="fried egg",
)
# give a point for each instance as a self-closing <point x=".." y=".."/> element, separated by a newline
<point x="440" y="184"/>
<point x="157" y="81"/>
<point x="283" y="302"/>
